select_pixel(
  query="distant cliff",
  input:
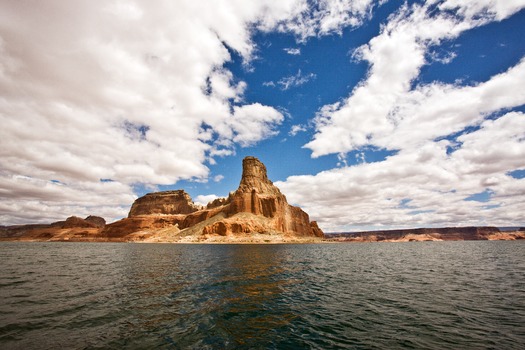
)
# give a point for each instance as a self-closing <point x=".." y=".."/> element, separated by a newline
<point x="73" y="228"/>
<point x="428" y="234"/>
<point x="167" y="203"/>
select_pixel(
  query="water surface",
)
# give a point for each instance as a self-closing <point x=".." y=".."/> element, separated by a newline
<point x="423" y="295"/>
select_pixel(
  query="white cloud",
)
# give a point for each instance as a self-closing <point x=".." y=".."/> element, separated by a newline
<point x="325" y="17"/>
<point x="204" y="199"/>
<point x="129" y="91"/>
<point x="431" y="170"/>
<point x="291" y="81"/>
<point x="483" y="10"/>
<point x="252" y="123"/>
<point x="435" y="184"/>
<point x="294" y="51"/>
<point x="295" y="129"/>
<point x="444" y="58"/>
<point x="373" y="107"/>
<point x="218" y="178"/>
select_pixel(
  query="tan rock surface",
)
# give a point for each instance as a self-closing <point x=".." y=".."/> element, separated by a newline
<point x="166" y="203"/>
<point x="257" y="207"/>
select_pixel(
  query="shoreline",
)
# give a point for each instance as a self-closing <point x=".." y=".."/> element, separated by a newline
<point x="511" y="236"/>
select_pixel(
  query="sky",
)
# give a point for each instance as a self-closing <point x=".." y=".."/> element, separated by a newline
<point x="367" y="114"/>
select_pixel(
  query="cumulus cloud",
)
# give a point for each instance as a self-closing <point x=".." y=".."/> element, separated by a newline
<point x="433" y="170"/>
<point x="204" y="199"/>
<point x="424" y="187"/>
<point x="372" y="108"/>
<point x="129" y="91"/>
<point x="253" y="123"/>
<point x="327" y="16"/>
<point x="295" y="129"/>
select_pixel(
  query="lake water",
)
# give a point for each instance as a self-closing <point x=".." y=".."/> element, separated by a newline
<point x="422" y="295"/>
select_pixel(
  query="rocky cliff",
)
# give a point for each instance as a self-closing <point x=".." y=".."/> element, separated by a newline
<point x="72" y="229"/>
<point x="167" y="203"/>
<point x="259" y="196"/>
<point x="256" y="208"/>
<point x="471" y="233"/>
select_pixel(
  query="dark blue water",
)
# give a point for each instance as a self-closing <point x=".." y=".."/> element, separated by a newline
<point x="423" y="295"/>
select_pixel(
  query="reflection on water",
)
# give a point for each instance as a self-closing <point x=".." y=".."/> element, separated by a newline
<point x="235" y="293"/>
<point x="134" y="296"/>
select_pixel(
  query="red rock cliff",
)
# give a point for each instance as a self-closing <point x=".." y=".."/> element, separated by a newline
<point x="257" y="206"/>
<point x="259" y="196"/>
<point x="167" y="203"/>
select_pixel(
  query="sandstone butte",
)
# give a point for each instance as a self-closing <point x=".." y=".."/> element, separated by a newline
<point x="256" y="212"/>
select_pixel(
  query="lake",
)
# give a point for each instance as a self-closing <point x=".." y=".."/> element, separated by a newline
<point x="419" y="295"/>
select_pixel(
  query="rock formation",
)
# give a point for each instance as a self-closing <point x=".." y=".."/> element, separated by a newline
<point x="72" y="229"/>
<point x="256" y="207"/>
<point x="471" y="233"/>
<point x="96" y="220"/>
<point x="256" y="212"/>
<point x="259" y="196"/>
<point x="75" y="221"/>
<point x="167" y="202"/>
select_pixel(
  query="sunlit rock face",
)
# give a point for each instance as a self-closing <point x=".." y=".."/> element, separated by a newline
<point x="256" y="195"/>
<point x="166" y="203"/>
<point x="259" y="196"/>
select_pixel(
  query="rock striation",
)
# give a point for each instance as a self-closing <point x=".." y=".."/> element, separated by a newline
<point x="165" y="203"/>
<point x="259" y="196"/>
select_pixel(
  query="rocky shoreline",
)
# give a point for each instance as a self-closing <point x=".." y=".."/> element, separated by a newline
<point x="430" y="234"/>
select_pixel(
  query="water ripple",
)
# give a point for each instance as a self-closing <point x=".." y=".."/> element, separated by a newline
<point x="422" y="295"/>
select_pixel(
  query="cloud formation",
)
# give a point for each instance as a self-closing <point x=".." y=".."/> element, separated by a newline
<point x="292" y="81"/>
<point x="294" y="51"/>
<point x="99" y="97"/>
<point x="432" y="169"/>
<point x="96" y="100"/>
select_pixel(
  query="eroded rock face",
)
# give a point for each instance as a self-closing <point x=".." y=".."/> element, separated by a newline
<point x="74" y="221"/>
<point x="165" y="203"/>
<point x="256" y="195"/>
<point x="259" y="196"/>
<point x="96" y="220"/>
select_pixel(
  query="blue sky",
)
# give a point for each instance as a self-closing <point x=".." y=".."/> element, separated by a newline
<point x="368" y="114"/>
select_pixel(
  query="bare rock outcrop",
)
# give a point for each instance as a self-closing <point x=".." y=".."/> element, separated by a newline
<point x="75" y="221"/>
<point x="73" y="228"/>
<point x="96" y="220"/>
<point x="166" y="203"/>
<point x="256" y="195"/>
<point x="259" y="196"/>
<point x="470" y="233"/>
